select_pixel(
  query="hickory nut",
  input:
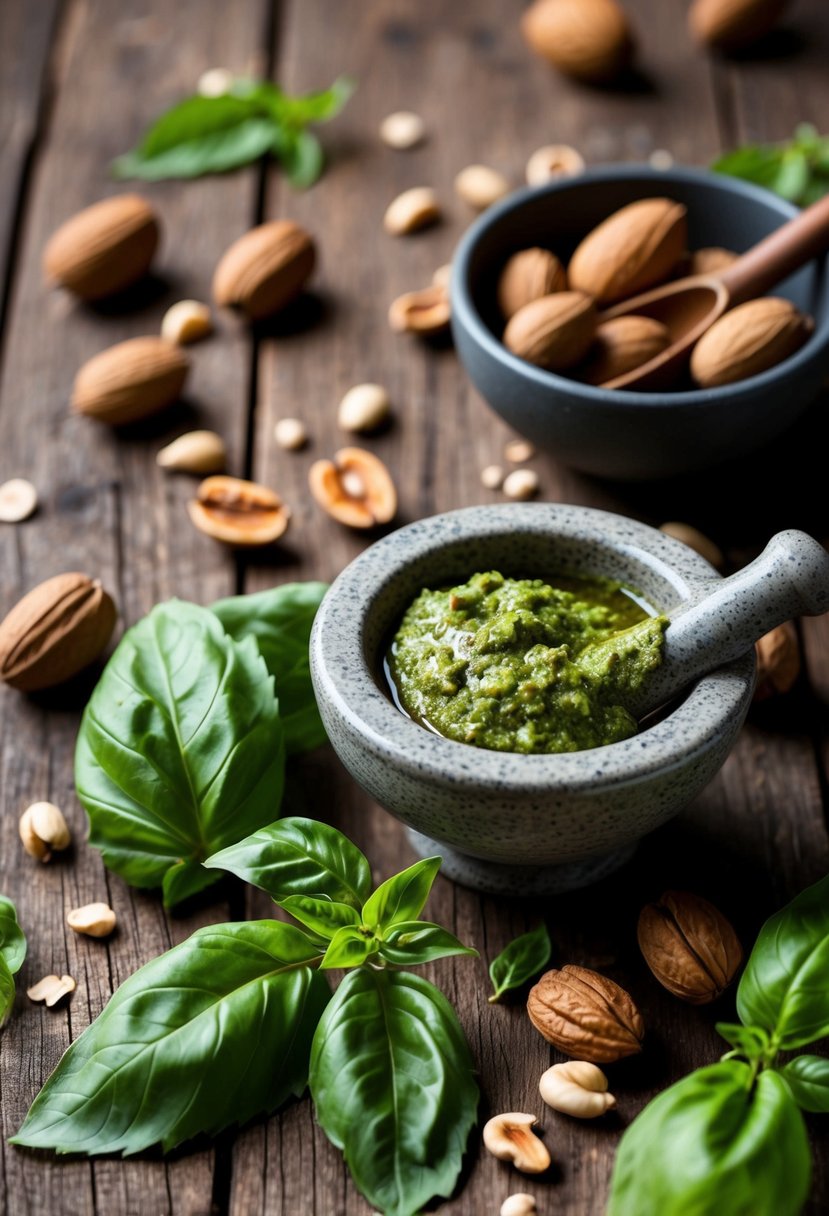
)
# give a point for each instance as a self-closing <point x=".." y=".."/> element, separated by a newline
<point x="55" y="631"/>
<point x="355" y="488"/>
<point x="633" y="249"/>
<point x="730" y="24"/>
<point x="103" y="249"/>
<point x="196" y="452"/>
<point x="528" y="276"/>
<point x="748" y="340"/>
<point x="588" y="39"/>
<point x="51" y="989"/>
<point x="237" y="512"/>
<point x="480" y="186"/>
<point x="131" y="380"/>
<point x="576" y="1088"/>
<point x="426" y="312"/>
<point x="584" y="1014"/>
<point x="93" y="920"/>
<point x="509" y="1137"/>
<point x="622" y="344"/>
<point x="553" y="161"/>
<point x="778" y="661"/>
<point x="43" y="830"/>
<point x="412" y="210"/>
<point x="265" y="269"/>
<point x="696" y="540"/>
<point x="689" y="946"/>
<point x="554" y="332"/>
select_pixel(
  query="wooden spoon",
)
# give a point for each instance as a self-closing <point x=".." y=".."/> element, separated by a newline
<point x="690" y="306"/>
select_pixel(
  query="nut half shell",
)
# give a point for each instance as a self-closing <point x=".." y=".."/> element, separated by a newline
<point x="355" y="488"/>
<point x="237" y="512"/>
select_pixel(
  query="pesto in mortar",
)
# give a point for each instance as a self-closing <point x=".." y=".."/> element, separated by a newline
<point x="519" y="665"/>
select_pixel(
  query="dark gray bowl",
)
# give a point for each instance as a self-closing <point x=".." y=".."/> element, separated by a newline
<point x="624" y="434"/>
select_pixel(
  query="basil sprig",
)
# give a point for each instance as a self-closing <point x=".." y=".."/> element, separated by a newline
<point x="797" y="170"/>
<point x="730" y="1137"/>
<point x="518" y="962"/>
<point x="12" y="954"/>
<point x="215" y="134"/>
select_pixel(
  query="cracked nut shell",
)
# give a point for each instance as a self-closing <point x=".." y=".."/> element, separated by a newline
<point x="586" y="1015"/>
<point x="265" y="269"/>
<point x="355" y="488"/>
<point x="689" y="946"/>
<point x="238" y="512"/>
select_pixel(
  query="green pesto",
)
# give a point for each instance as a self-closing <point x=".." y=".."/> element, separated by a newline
<point x="518" y="665"/>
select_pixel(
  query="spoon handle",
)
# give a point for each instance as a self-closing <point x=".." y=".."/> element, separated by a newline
<point x="779" y="254"/>
<point x="790" y="578"/>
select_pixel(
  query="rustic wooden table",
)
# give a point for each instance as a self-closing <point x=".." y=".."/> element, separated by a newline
<point x="79" y="79"/>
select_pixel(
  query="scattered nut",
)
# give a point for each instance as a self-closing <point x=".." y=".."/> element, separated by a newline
<point x="51" y="989"/>
<point x="528" y="276"/>
<point x="18" y="500"/>
<point x="55" y="631"/>
<point x="402" y="130"/>
<point x="364" y="407"/>
<point x="426" y="312"/>
<point x="355" y="488"/>
<point x="661" y="159"/>
<point x="196" y="452"/>
<point x="587" y="39"/>
<point x="93" y="920"/>
<point x="748" y="340"/>
<point x="412" y="210"/>
<point x="731" y="24"/>
<point x="103" y="249"/>
<point x="695" y="540"/>
<point x="552" y="161"/>
<point x="710" y="260"/>
<point x="517" y="451"/>
<point x="521" y="484"/>
<point x="622" y="344"/>
<point x="480" y="186"/>
<point x="290" y="434"/>
<point x="778" y="661"/>
<point x="443" y="276"/>
<point x="509" y="1137"/>
<point x="576" y="1088"/>
<point x="185" y="322"/>
<point x="635" y="248"/>
<point x="519" y="1204"/>
<point x="215" y="82"/>
<point x="554" y="332"/>
<point x="689" y="946"/>
<point x="131" y="380"/>
<point x="265" y="269"/>
<point x="492" y="477"/>
<point x="586" y="1015"/>
<point x="237" y="512"/>
<point x="44" y="831"/>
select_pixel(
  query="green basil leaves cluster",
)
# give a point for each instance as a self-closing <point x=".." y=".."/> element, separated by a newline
<point x="798" y="170"/>
<point x="730" y="1138"/>
<point x="12" y="954"/>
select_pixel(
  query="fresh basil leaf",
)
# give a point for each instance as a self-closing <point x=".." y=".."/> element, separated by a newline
<point x="712" y="1143"/>
<point x="393" y="1083"/>
<point x="401" y="898"/>
<point x="750" y="1041"/>
<point x="301" y="156"/>
<point x="180" y="751"/>
<point x="349" y="947"/>
<point x="409" y="943"/>
<point x="321" y="916"/>
<point x="808" y="1079"/>
<point x="320" y="106"/>
<point x="752" y="163"/>
<point x="184" y="880"/>
<point x="280" y="621"/>
<point x="12" y="938"/>
<point x="299" y="857"/>
<point x="211" y="1033"/>
<point x="520" y="961"/>
<point x="784" y="988"/>
<point x="6" y="991"/>
<point x="793" y="175"/>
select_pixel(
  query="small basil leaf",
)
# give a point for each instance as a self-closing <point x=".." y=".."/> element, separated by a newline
<point x="315" y="107"/>
<point x="180" y="751"/>
<point x="211" y="1033"/>
<point x="12" y="939"/>
<point x="752" y="163"/>
<point x="280" y="620"/>
<point x="520" y="961"/>
<point x="793" y="175"/>
<point x="750" y="1041"/>
<point x="322" y="916"/>
<point x="783" y="988"/>
<point x="301" y="157"/>
<point x="299" y="857"/>
<point x="350" y="947"/>
<point x="401" y="897"/>
<point x="808" y="1079"/>
<point x="394" y="1088"/>
<point x="712" y="1143"/>
<point x="409" y="943"/>
<point x="6" y="991"/>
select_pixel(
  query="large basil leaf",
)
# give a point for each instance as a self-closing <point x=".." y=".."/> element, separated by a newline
<point x="299" y="857"/>
<point x="211" y="1033"/>
<point x="519" y="961"/>
<point x="808" y="1079"/>
<point x="401" y="898"/>
<point x="6" y="991"/>
<point x="784" y="987"/>
<point x="712" y="1143"/>
<point x="392" y="1080"/>
<point x="12" y="938"/>
<point x="280" y="620"/>
<point x="180" y="751"/>
<point x="409" y="943"/>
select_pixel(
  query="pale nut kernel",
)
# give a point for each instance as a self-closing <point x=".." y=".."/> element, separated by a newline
<point x="18" y="500"/>
<point x="517" y="451"/>
<point x="480" y="186"/>
<point x="215" y="82"/>
<point x="492" y="477"/>
<point x="43" y="830"/>
<point x="290" y="434"/>
<point x="443" y="276"/>
<point x="355" y="488"/>
<point x="93" y="920"/>
<point x="364" y="408"/>
<point x="778" y="661"/>
<point x="51" y="989"/>
<point x="237" y="512"/>
<point x="186" y="321"/>
<point x="521" y="484"/>
<point x="661" y="159"/>
<point x="412" y="210"/>
<point x="426" y="312"/>
<point x="528" y="275"/>
<point x="519" y="1204"/>
<point x="402" y="130"/>
<point x="696" y="540"/>
<point x="576" y="1088"/>
<point x="553" y="161"/>
<point x="510" y="1137"/>
<point x="195" y="452"/>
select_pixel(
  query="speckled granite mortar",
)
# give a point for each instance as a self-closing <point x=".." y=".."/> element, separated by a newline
<point x="511" y="823"/>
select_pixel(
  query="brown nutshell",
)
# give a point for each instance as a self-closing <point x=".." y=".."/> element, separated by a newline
<point x="237" y="512"/>
<point x="130" y="381"/>
<point x="265" y="269"/>
<point x="554" y="332"/>
<point x="635" y="248"/>
<point x="355" y="488"/>
<point x="731" y="24"/>
<point x="750" y="339"/>
<point x="527" y="276"/>
<point x="103" y="249"/>
<point x="621" y="345"/>
<point x="425" y="312"/>
<point x="689" y="946"/>
<point x="588" y="39"/>
<point x="778" y="662"/>
<point x="586" y="1015"/>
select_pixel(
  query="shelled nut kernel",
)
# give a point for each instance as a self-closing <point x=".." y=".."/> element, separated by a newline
<point x="519" y="1204"/>
<point x="517" y="451"/>
<point x="576" y="1088"/>
<point x="521" y="484"/>
<point x="195" y="452"/>
<point x="442" y="276"/>
<point x="480" y="186"/>
<point x="552" y="161"/>
<point x="51" y="989"/>
<point x="412" y="210"/>
<point x="18" y="500"/>
<point x="187" y="321"/>
<point x="365" y="407"/>
<point x="215" y="82"/>
<point x="93" y="920"/>
<point x="510" y="1137"/>
<point x="43" y="830"/>
<point x="402" y="130"/>
<point x="492" y="477"/>
<point x="290" y="434"/>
